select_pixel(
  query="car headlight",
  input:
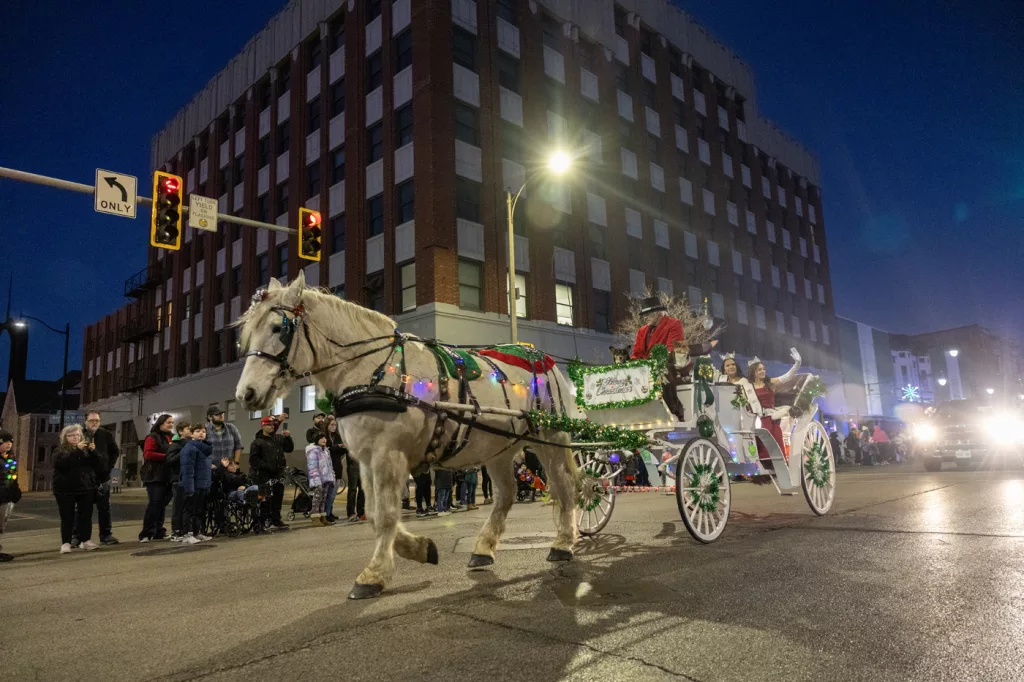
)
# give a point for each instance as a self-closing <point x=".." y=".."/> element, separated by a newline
<point x="1005" y="428"/>
<point x="925" y="432"/>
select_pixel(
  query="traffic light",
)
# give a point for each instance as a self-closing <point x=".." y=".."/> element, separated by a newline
<point x="310" y="234"/>
<point x="165" y="232"/>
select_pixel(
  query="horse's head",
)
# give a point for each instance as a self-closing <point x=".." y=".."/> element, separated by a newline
<point x="269" y="341"/>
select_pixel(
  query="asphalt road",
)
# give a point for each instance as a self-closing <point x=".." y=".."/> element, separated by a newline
<point x="913" y="576"/>
<point x="38" y="511"/>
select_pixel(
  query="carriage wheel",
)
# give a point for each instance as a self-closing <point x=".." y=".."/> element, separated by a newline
<point x="702" y="490"/>
<point x="818" y="470"/>
<point x="595" y="493"/>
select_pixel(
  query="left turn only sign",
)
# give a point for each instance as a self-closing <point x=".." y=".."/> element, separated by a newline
<point x="115" y="193"/>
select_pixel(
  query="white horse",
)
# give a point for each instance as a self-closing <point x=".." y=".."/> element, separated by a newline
<point x="292" y="331"/>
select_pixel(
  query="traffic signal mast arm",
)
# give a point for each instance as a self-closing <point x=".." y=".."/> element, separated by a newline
<point x="33" y="178"/>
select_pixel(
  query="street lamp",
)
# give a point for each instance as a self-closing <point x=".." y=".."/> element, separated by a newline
<point x="942" y="381"/>
<point x="990" y="391"/>
<point x="953" y="352"/>
<point x="558" y="164"/>
<point x="21" y="324"/>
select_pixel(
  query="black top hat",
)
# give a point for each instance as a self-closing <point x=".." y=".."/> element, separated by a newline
<point x="651" y="304"/>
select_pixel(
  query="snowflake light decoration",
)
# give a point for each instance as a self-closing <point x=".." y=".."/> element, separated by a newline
<point x="911" y="394"/>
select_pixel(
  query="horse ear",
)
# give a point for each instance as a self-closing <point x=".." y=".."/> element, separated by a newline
<point x="295" y="289"/>
<point x="274" y="284"/>
<point x="300" y="281"/>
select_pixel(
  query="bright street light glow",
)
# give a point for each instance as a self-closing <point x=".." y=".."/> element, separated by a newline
<point x="559" y="163"/>
<point x="990" y="391"/>
<point x="953" y="352"/>
<point x="942" y="381"/>
<point x="20" y="324"/>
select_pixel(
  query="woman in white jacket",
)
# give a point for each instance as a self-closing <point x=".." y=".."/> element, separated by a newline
<point x="320" y="475"/>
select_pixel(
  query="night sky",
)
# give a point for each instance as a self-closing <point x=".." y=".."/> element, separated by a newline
<point x="914" y="109"/>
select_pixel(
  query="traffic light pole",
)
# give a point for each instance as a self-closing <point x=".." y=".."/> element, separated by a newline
<point x="57" y="183"/>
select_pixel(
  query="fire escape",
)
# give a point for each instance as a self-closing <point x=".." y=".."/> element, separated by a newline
<point x="138" y="331"/>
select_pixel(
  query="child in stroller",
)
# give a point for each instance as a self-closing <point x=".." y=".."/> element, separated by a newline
<point x="302" y="502"/>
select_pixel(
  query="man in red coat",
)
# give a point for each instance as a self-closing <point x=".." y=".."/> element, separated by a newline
<point x="660" y="328"/>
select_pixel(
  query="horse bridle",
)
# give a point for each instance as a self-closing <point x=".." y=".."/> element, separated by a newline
<point x="286" y="335"/>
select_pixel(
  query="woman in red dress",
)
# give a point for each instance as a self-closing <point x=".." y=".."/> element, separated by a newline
<point x="765" y="390"/>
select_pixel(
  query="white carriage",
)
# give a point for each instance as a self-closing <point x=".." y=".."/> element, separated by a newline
<point x="628" y="396"/>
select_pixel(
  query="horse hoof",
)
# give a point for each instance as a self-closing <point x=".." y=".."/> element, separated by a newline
<point x="360" y="591"/>
<point x="480" y="561"/>
<point x="432" y="557"/>
<point x="559" y="555"/>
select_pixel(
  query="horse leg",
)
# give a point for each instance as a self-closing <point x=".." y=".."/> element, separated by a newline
<point x="415" y="547"/>
<point x="504" y="481"/>
<point x="382" y="481"/>
<point x="562" y="483"/>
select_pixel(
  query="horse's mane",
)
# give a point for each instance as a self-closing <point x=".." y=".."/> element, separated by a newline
<point x="370" y="318"/>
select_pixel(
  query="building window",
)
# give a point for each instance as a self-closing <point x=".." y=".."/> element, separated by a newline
<point x="284" y="137"/>
<point x="308" y="401"/>
<point x="314" y="115"/>
<point x="464" y="48"/>
<point x="282" y="260"/>
<point x="236" y="281"/>
<point x="313" y="179"/>
<point x="338" y="98"/>
<point x="653" y="146"/>
<point x="508" y="72"/>
<point x="338" y="233"/>
<point x="595" y="235"/>
<point x="374" y="72"/>
<point x="521" y="306"/>
<point x="602" y="311"/>
<point x="635" y="253"/>
<point x="337" y="34"/>
<point x="467" y="199"/>
<point x="621" y="21"/>
<point x="372" y="10"/>
<point x="284" y="77"/>
<point x="551" y="32"/>
<point x="470" y="286"/>
<point x="407" y="290"/>
<point x="41" y="453"/>
<point x="508" y="11"/>
<point x="466" y="125"/>
<point x="263" y="208"/>
<point x="219" y="290"/>
<point x="338" y="165"/>
<point x="405" y="200"/>
<point x="375" y="142"/>
<point x="375" y="292"/>
<point x="511" y="142"/>
<point x="282" y="198"/>
<point x="587" y="55"/>
<point x="339" y="291"/>
<point x="197" y="301"/>
<point x="263" y="269"/>
<point x="264" y="151"/>
<point x="649" y="99"/>
<point x="315" y="52"/>
<point x="403" y="50"/>
<point x="375" y="214"/>
<point x="622" y="78"/>
<point x="563" y="304"/>
<point x="403" y="126"/>
<point x="647" y="42"/>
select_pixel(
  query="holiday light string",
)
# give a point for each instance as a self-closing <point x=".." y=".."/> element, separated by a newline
<point x="10" y="468"/>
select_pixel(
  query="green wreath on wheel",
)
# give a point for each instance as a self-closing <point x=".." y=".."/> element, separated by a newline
<point x="705" y="497"/>
<point x="817" y="465"/>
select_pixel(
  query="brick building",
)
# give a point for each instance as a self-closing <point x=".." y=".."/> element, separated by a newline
<point x="406" y="122"/>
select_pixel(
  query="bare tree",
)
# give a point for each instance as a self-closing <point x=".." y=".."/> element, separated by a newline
<point x="677" y="307"/>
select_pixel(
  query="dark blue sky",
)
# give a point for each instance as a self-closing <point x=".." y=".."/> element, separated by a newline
<point x="914" y="109"/>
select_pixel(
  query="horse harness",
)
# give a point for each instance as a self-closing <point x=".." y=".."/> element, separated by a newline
<point x="373" y="397"/>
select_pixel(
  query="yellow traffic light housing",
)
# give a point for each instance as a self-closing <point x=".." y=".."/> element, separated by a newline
<point x="310" y="234"/>
<point x="165" y="225"/>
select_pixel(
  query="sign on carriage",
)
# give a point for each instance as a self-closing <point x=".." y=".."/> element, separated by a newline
<point x="619" y="385"/>
<point x="115" y="193"/>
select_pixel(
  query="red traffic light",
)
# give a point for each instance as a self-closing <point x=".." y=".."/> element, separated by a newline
<point x="171" y="185"/>
<point x="311" y="219"/>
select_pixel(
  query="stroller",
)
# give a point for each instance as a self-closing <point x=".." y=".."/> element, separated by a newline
<point x="302" y="502"/>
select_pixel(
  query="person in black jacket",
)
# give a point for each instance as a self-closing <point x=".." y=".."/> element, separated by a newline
<point x="156" y="478"/>
<point x="76" y="473"/>
<point x="173" y="461"/>
<point x="267" y="463"/>
<point x="108" y="452"/>
<point x="10" y="493"/>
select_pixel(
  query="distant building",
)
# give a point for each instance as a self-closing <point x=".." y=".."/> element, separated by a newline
<point x="866" y="361"/>
<point x="30" y="409"/>
<point x="406" y="122"/>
